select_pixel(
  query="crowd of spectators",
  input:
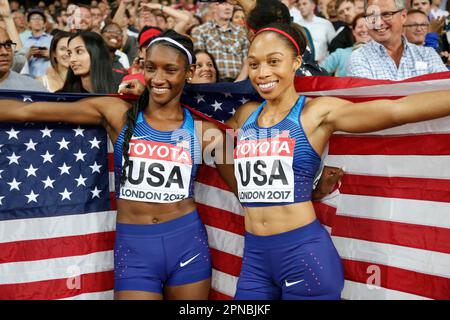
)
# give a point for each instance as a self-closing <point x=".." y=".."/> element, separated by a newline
<point x="72" y="47"/>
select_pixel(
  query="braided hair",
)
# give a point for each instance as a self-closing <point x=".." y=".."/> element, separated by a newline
<point x="132" y="114"/>
<point x="144" y="99"/>
<point x="101" y="72"/>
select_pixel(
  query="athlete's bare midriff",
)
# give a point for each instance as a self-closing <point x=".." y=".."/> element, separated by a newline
<point x="265" y="221"/>
<point x="135" y="212"/>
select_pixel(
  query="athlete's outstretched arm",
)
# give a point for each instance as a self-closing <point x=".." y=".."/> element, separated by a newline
<point x="242" y="113"/>
<point x="106" y="111"/>
<point x="216" y="143"/>
<point x="327" y="182"/>
<point x="342" y="115"/>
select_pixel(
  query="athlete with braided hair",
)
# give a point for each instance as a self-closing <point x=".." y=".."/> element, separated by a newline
<point x="161" y="249"/>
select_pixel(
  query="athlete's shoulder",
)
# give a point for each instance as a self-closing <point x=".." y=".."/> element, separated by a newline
<point x="242" y="114"/>
<point x="109" y="103"/>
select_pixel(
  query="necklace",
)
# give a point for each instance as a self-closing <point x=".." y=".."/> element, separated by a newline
<point x="59" y="76"/>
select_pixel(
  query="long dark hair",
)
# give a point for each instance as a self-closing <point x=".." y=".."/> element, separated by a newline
<point x="101" y="73"/>
<point x="268" y="11"/>
<point x="274" y="13"/>
<point x="197" y="51"/>
<point x="56" y="37"/>
<point x="144" y="99"/>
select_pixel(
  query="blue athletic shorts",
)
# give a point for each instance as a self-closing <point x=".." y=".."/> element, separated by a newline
<point x="300" y="264"/>
<point x="150" y="256"/>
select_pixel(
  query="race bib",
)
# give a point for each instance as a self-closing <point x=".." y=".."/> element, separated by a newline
<point x="263" y="169"/>
<point x="157" y="172"/>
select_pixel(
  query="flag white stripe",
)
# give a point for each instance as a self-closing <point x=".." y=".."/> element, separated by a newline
<point x="427" y="213"/>
<point x="111" y="178"/>
<point x="110" y="146"/>
<point x="217" y="198"/>
<point x="383" y="90"/>
<point x="58" y="268"/>
<point x="223" y="282"/>
<point x="360" y="291"/>
<point x="54" y="227"/>
<point x="436" y="126"/>
<point x="104" y="295"/>
<point x="225" y="241"/>
<point x="393" y="166"/>
<point x="332" y="199"/>
<point x="423" y="261"/>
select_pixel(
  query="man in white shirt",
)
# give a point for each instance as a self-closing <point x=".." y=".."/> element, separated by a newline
<point x="322" y="31"/>
<point x="292" y="6"/>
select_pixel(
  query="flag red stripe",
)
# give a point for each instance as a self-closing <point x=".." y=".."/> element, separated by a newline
<point x="58" y="288"/>
<point x="393" y="278"/>
<point x="210" y="176"/>
<point x="221" y="219"/>
<point x="215" y="295"/>
<point x="225" y="262"/>
<point x="397" y="187"/>
<point x="397" y="233"/>
<point x="31" y="250"/>
<point x="424" y="144"/>
<point x="112" y="200"/>
<point x="324" y="213"/>
<point x="110" y="162"/>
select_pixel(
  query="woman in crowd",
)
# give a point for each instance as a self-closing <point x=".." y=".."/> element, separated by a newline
<point x="59" y="62"/>
<point x="336" y="63"/>
<point x="205" y="68"/>
<point x="90" y="65"/>
<point x="161" y="248"/>
<point x="238" y="17"/>
<point x="288" y="254"/>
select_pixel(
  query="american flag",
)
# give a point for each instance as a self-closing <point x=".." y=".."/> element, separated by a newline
<point x="390" y="214"/>
<point x="56" y="221"/>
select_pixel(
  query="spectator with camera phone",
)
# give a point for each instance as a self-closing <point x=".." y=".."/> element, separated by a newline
<point x="37" y="44"/>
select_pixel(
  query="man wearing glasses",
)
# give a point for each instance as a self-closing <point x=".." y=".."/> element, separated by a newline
<point x="10" y="79"/>
<point x="390" y="55"/>
<point x="420" y="31"/>
<point x="416" y="26"/>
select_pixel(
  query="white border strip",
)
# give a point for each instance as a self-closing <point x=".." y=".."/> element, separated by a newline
<point x="223" y="282"/>
<point x="112" y="187"/>
<point x="225" y="241"/>
<point x="59" y="268"/>
<point x="54" y="227"/>
<point x="383" y="90"/>
<point x="217" y="198"/>
<point x="423" y="261"/>
<point x="427" y="213"/>
<point x="360" y="291"/>
<point x="103" y="295"/>
<point x="393" y="166"/>
<point x="441" y="125"/>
